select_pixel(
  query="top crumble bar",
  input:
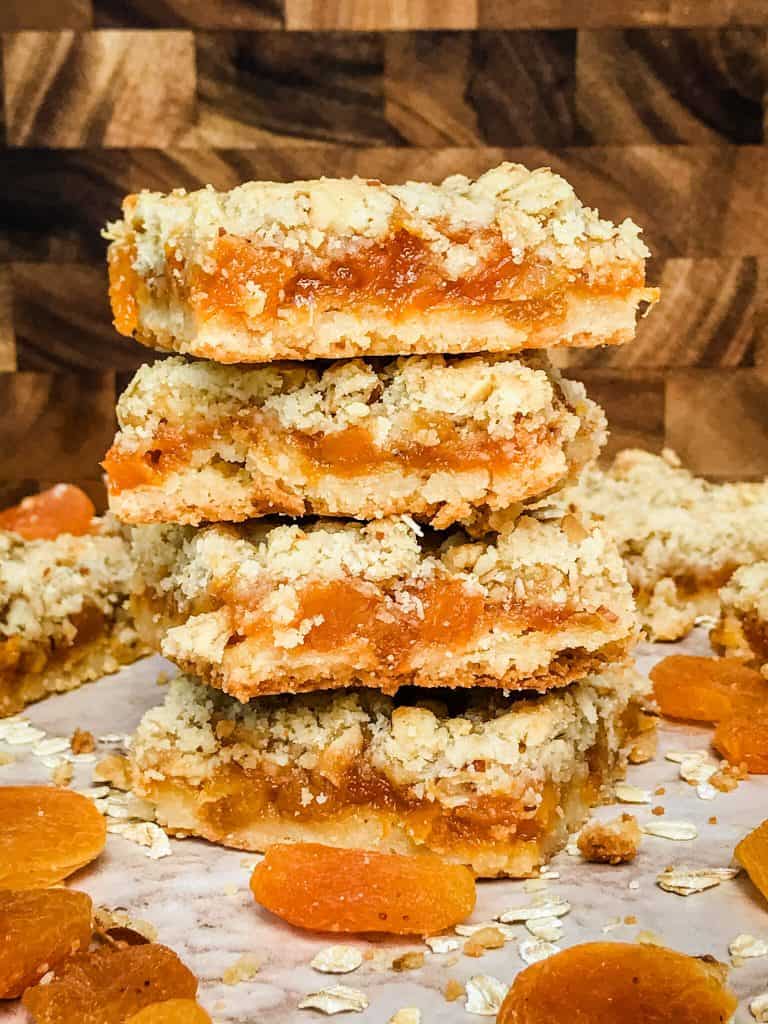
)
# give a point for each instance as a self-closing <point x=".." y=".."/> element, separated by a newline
<point x="349" y="267"/>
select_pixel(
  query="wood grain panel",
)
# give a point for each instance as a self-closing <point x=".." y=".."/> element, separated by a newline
<point x="712" y="313"/>
<point x="68" y="89"/>
<point x="242" y="15"/>
<point x="672" y="86"/>
<point x="717" y="421"/>
<point x="7" y="338"/>
<point x="45" y="14"/>
<point x="380" y="15"/>
<point x="55" y="426"/>
<point x="62" y="320"/>
<point x="518" y="14"/>
<point x="730" y="202"/>
<point x="261" y="87"/>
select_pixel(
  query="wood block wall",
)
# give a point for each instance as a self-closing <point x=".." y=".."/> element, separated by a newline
<point x="655" y="109"/>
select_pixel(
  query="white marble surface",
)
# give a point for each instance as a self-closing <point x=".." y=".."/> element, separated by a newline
<point x="198" y="898"/>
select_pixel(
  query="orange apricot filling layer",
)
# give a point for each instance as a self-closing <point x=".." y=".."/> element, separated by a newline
<point x="245" y="281"/>
<point x="439" y="611"/>
<point x="345" y="453"/>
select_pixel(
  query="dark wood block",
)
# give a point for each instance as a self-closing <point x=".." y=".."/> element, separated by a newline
<point x="45" y="15"/>
<point x="711" y="313"/>
<point x="730" y="200"/>
<point x="633" y="401"/>
<point x="110" y="88"/>
<point x="672" y="85"/>
<point x="717" y="422"/>
<point x="261" y="87"/>
<point x="718" y="12"/>
<point x="206" y="14"/>
<point x="55" y="426"/>
<point x="63" y="321"/>
<point x="378" y="15"/>
<point x="7" y="337"/>
<point x="571" y="13"/>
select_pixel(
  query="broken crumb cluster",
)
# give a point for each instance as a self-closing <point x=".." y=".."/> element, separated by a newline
<point x="417" y="658"/>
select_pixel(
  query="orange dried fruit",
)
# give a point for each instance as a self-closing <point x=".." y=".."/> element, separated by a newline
<point x="45" y="835"/>
<point x="339" y="890"/>
<point x="706" y="689"/>
<point x="606" y="982"/>
<point x="752" y="854"/>
<point x="39" y="929"/>
<point x="62" y="509"/>
<point x="743" y="739"/>
<point x="110" y="984"/>
<point x="174" y="1011"/>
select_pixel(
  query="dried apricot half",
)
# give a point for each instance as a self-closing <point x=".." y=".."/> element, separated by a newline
<point x="39" y="929"/>
<point x="62" y="509"/>
<point x="706" y="689"/>
<point x="752" y="854"/>
<point x="110" y="984"/>
<point x="338" y="890"/>
<point x="743" y="739"/>
<point x="46" y="833"/>
<point x="174" y="1011"/>
<point x="607" y="982"/>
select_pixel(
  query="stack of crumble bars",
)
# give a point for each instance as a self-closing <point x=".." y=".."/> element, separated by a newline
<point x="384" y="643"/>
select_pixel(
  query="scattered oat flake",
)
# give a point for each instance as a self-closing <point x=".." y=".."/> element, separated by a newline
<point x="533" y="950"/>
<point x="244" y="969"/>
<point x="6" y="759"/>
<point x="634" y="884"/>
<point x="758" y="1007"/>
<point x="338" y="999"/>
<point x="337" y="960"/>
<point x="696" y="770"/>
<point x="468" y="930"/>
<point x="410" y="961"/>
<point x="115" y="738"/>
<point x="443" y="943"/>
<point x="51" y="745"/>
<point x="686" y="881"/>
<point x="626" y="794"/>
<point x="612" y="925"/>
<point x="547" y="908"/>
<point x="128" y="806"/>
<point x="535" y="884"/>
<point x="680" y="831"/>
<point x="549" y="874"/>
<point x="485" y="994"/>
<point x="408" y="1015"/>
<point x="678" y="756"/>
<point x="548" y="928"/>
<point x="21" y="734"/>
<point x="746" y="946"/>
<point x="143" y="833"/>
<point x="706" y="791"/>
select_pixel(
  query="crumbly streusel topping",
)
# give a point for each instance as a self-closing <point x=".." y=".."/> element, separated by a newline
<point x="531" y="210"/>
<point x="554" y="561"/>
<point x="667" y="522"/>
<point x="746" y="592"/>
<point x="387" y="398"/>
<point x="420" y="746"/>
<point x="44" y="583"/>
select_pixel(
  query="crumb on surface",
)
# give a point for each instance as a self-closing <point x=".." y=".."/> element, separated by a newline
<point x="114" y="770"/>
<point x="485" y="939"/>
<point x="610" y="842"/>
<point x="62" y="773"/>
<point x="658" y="810"/>
<point x="410" y="961"/>
<point x="82" y="742"/>
<point x="453" y="990"/>
<point x="245" y="968"/>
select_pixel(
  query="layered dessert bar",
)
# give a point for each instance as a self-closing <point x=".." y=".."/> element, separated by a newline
<point x="438" y="438"/>
<point x="64" y="585"/>
<point x="262" y="608"/>
<point x="681" y="537"/>
<point x="493" y="781"/>
<point x="332" y="268"/>
<point x="743" y="627"/>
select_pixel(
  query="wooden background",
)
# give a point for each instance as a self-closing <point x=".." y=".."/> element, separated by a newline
<point x="655" y="109"/>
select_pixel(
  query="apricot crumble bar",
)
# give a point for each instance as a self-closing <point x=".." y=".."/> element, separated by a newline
<point x="331" y="268"/>
<point x="493" y="781"/>
<point x="64" y="616"/>
<point x="743" y="627"/>
<point x="681" y="537"/>
<point x="262" y="608"/>
<point x="437" y="438"/>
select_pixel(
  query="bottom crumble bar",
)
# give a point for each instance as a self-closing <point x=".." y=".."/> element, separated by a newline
<point x="491" y="781"/>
